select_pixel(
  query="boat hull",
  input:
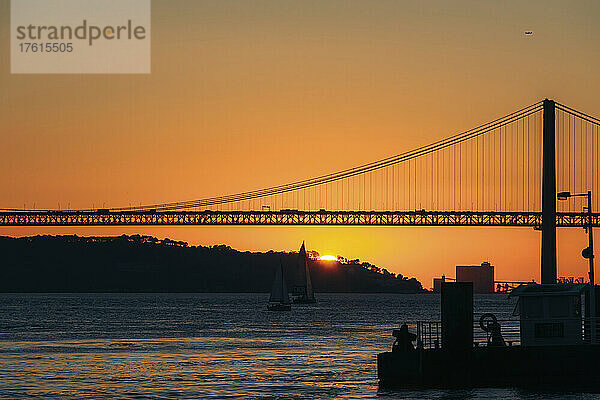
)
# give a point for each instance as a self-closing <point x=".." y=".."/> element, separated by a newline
<point x="279" y="307"/>
<point x="516" y="366"/>
<point x="304" y="301"/>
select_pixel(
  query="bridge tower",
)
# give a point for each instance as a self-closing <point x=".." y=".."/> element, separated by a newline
<point x="548" y="274"/>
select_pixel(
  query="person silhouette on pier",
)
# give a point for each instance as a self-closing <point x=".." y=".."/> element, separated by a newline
<point x="404" y="339"/>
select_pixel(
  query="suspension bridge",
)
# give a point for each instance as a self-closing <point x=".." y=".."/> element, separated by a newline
<point x="502" y="173"/>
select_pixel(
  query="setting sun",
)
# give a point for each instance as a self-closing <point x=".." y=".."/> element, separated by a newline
<point x="328" y="258"/>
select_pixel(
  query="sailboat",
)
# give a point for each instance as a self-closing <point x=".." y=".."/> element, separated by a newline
<point x="303" y="290"/>
<point x="280" y="299"/>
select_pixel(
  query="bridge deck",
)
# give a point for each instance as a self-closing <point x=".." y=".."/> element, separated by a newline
<point x="291" y="217"/>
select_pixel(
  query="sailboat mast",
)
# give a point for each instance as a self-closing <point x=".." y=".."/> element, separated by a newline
<point x="309" y="290"/>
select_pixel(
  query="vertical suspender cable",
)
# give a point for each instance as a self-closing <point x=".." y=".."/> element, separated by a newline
<point x="523" y="163"/>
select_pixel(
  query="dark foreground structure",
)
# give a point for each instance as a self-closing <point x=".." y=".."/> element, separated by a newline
<point x="560" y="366"/>
<point x="553" y="344"/>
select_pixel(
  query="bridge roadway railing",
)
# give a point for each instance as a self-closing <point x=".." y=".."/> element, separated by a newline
<point x="291" y="217"/>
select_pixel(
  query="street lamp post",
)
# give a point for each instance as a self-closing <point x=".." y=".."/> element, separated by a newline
<point x="589" y="254"/>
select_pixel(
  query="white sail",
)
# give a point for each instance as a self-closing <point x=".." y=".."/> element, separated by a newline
<point x="303" y="291"/>
<point x="286" y="296"/>
<point x="309" y="290"/>
<point x="279" y="293"/>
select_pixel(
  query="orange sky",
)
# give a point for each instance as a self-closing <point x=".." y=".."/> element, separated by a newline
<point x="244" y="95"/>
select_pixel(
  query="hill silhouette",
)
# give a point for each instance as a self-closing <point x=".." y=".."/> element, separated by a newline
<point x="146" y="264"/>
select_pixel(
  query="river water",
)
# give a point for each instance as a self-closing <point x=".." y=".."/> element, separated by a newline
<point x="197" y="346"/>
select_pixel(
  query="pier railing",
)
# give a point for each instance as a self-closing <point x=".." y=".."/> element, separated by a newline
<point x="510" y="329"/>
<point x="429" y="333"/>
